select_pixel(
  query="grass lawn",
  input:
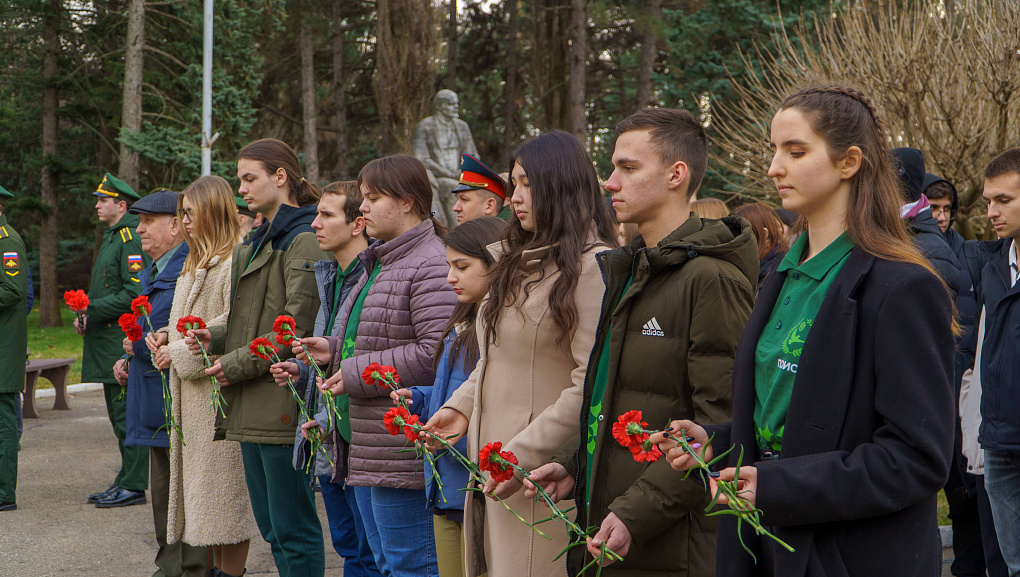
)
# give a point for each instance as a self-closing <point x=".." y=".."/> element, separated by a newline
<point x="55" y="343"/>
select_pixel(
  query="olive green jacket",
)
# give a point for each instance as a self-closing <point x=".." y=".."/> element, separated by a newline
<point x="13" y="296"/>
<point x="672" y="339"/>
<point x="114" y="285"/>
<point x="272" y="274"/>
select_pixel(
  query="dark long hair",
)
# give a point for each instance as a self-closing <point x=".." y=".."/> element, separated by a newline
<point x="276" y="154"/>
<point x="567" y="207"/>
<point x="470" y="238"/>
<point x="404" y="177"/>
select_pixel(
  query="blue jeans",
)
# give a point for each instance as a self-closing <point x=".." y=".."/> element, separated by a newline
<point x="1002" y="482"/>
<point x="347" y="529"/>
<point x="398" y="525"/>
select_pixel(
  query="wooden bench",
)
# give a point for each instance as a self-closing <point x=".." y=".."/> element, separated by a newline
<point x="53" y="370"/>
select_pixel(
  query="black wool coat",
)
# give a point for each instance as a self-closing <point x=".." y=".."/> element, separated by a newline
<point x="869" y="435"/>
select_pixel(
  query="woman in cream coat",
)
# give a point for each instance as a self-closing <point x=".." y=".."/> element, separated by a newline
<point x="535" y="330"/>
<point x="209" y="504"/>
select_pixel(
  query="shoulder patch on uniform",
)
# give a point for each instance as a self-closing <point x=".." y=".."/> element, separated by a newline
<point x="10" y="260"/>
<point x="3" y="232"/>
<point x="134" y="262"/>
<point x="12" y="273"/>
<point x="125" y="234"/>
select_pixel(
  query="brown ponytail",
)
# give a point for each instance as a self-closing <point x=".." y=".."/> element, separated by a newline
<point x="275" y="154"/>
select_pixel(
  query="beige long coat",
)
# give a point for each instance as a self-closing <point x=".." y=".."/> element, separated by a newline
<point x="526" y="392"/>
<point x="209" y="502"/>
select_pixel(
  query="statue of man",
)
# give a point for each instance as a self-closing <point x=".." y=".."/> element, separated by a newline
<point x="439" y="140"/>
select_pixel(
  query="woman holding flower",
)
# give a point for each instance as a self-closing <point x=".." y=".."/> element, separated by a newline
<point x="535" y="331"/>
<point x="209" y="503"/>
<point x="842" y="396"/>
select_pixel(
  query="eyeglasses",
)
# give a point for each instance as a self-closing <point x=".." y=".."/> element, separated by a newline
<point x="937" y="210"/>
<point x="186" y="213"/>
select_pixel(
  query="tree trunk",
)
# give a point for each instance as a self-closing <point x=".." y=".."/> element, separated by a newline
<point x="510" y="89"/>
<point x="578" y="62"/>
<point x="308" y="100"/>
<point x="451" y="48"/>
<point x="649" y="54"/>
<point x="131" y="103"/>
<point x="49" y="313"/>
<point x="382" y="66"/>
<point x="342" y="165"/>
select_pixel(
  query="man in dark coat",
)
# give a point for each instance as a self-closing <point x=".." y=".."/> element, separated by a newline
<point x="114" y="284"/>
<point x="999" y="298"/>
<point x="162" y="240"/>
<point x="917" y="214"/>
<point x="677" y="299"/>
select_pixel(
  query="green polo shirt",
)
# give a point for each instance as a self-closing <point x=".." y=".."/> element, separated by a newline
<point x="350" y="337"/>
<point x="338" y="287"/>
<point x="782" y="340"/>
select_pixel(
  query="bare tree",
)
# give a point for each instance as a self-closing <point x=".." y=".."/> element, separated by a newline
<point x="451" y="48"/>
<point x="308" y="99"/>
<point x="945" y="82"/>
<point x="407" y="56"/>
<point x="578" y="67"/>
<point x="131" y="102"/>
<point x="49" y="313"/>
<point x="649" y="52"/>
<point x="339" y="92"/>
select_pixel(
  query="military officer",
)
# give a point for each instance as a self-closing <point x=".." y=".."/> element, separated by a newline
<point x="480" y="191"/>
<point x="249" y="218"/>
<point x="14" y="328"/>
<point x="114" y="284"/>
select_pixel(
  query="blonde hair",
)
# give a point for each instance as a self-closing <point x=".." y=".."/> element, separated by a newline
<point x="216" y="226"/>
<point x="709" y="208"/>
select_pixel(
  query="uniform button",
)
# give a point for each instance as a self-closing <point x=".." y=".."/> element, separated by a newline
<point x="285" y="419"/>
<point x="796" y="276"/>
<point x="779" y="324"/>
<point x="786" y="301"/>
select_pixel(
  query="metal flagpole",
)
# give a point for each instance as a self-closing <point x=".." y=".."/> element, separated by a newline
<point x="207" y="63"/>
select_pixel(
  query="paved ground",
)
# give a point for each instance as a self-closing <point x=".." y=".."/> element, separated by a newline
<point x="66" y="455"/>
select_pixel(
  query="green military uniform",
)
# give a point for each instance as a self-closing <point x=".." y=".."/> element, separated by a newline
<point x="14" y="328"/>
<point x="114" y="284"/>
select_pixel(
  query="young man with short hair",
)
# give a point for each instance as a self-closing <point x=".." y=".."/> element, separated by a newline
<point x="114" y="285"/>
<point x="340" y="230"/>
<point x="481" y="192"/>
<point x="998" y="297"/>
<point x="677" y="299"/>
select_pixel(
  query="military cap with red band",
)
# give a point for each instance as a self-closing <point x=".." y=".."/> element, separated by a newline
<point x="475" y="175"/>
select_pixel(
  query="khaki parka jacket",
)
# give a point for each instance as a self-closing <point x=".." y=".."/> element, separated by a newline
<point x="672" y="340"/>
<point x="272" y="274"/>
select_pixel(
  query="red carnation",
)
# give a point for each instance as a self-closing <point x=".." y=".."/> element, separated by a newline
<point x="263" y="349"/>
<point x="366" y="375"/>
<point x="645" y="451"/>
<point x="77" y="300"/>
<point x="409" y="431"/>
<point x="627" y="430"/>
<point x="127" y="321"/>
<point x="284" y="324"/>
<point x="496" y="462"/>
<point x="284" y="338"/>
<point x="395" y="419"/>
<point x="190" y="323"/>
<point x="141" y="304"/>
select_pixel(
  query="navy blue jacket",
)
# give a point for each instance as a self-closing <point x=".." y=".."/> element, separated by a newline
<point x="146" y="423"/>
<point x="929" y="240"/>
<point x="1000" y="357"/>
<point x="426" y="401"/>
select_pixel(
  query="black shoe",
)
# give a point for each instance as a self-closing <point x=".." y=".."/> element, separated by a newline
<point x="121" y="498"/>
<point x="99" y="496"/>
<point x="5" y="506"/>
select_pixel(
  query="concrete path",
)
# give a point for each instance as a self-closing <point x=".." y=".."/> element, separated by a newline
<point x="65" y="456"/>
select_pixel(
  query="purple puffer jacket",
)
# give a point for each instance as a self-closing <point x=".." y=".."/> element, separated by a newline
<point x="403" y="318"/>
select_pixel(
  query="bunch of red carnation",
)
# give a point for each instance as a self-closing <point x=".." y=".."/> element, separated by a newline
<point x="384" y="376"/>
<point x="141" y="306"/>
<point x="77" y="300"/>
<point x="398" y="419"/>
<point x="129" y="324"/>
<point x="498" y="463"/>
<point x="190" y="323"/>
<point x="629" y="430"/>
<point x="284" y="329"/>
<point x="263" y="349"/>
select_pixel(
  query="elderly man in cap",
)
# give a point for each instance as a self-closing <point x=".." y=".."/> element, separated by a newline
<point x="114" y="284"/>
<point x="162" y="240"/>
<point x="13" y="294"/>
<point x="480" y="192"/>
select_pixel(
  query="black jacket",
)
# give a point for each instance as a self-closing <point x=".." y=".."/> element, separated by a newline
<point x="868" y="439"/>
<point x="1000" y="361"/>
<point x="929" y="240"/>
